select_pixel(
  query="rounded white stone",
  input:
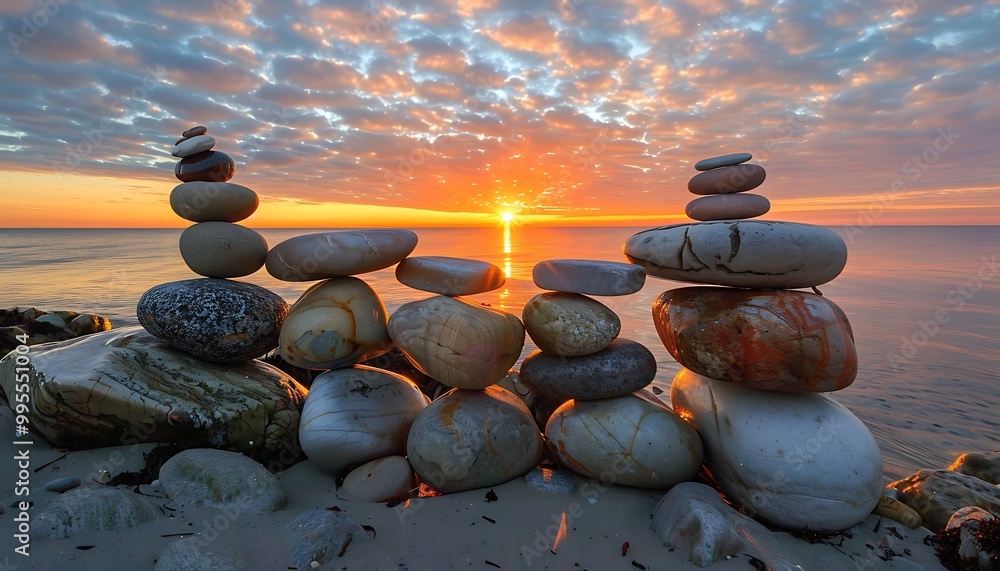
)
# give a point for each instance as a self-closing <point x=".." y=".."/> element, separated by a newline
<point x="197" y="144"/>
<point x="630" y="440"/>
<point x="384" y="480"/>
<point x="470" y="439"/>
<point x="356" y="415"/>
<point x="588" y="277"/>
<point x="742" y="253"/>
<point x="795" y="460"/>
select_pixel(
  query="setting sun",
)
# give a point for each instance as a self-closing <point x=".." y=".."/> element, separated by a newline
<point x="507" y="217"/>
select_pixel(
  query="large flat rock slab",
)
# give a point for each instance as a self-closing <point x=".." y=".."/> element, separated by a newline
<point x="126" y="386"/>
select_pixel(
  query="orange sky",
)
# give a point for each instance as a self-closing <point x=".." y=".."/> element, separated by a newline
<point x="102" y="202"/>
<point x="356" y="114"/>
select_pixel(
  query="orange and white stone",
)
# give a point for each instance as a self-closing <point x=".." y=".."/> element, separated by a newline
<point x="776" y="340"/>
<point x="333" y="324"/>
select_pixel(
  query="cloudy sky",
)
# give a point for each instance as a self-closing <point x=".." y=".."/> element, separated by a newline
<point x="434" y="112"/>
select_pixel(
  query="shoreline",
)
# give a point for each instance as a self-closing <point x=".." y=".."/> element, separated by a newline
<point x="460" y="530"/>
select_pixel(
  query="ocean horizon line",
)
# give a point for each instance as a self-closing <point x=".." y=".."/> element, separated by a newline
<point x="470" y="227"/>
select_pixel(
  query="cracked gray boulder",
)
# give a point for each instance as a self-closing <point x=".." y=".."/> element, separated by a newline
<point x="125" y="386"/>
<point x="743" y="253"/>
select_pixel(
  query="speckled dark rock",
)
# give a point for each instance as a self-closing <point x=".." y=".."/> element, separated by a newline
<point x="219" y="320"/>
<point x="621" y="368"/>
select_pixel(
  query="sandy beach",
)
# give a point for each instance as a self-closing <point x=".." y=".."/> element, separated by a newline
<point x="607" y="527"/>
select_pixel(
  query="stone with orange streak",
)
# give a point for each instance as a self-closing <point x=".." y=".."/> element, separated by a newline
<point x="470" y="439"/>
<point x="458" y="343"/>
<point x="631" y="440"/>
<point x="776" y="340"/>
<point x="335" y="323"/>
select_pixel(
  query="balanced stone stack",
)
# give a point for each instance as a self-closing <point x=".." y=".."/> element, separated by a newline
<point x="603" y="428"/>
<point x="478" y="434"/>
<point x="723" y="183"/>
<point x="191" y="376"/>
<point x="214" y="318"/>
<point x="354" y="413"/>
<point x="759" y="361"/>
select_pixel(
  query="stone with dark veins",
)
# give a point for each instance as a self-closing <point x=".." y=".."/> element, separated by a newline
<point x="125" y="386"/>
<point x="744" y="253"/>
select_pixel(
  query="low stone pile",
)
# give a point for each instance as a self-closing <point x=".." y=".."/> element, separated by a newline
<point x="37" y="326"/>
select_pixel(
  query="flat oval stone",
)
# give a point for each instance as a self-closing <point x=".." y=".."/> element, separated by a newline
<point x="356" y="415"/>
<point x="456" y="342"/>
<point x="794" y="460"/>
<point x="384" y="480"/>
<point x="217" y="320"/>
<point x="449" y="276"/>
<point x="727" y="180"/>
<point x="201" y="201"/>
<point x="722" y="161"/>
<point x="470" y="439"/>
<point x="727" y="207"/>
<point x="336" y="254"/>
<point x="776" y="340"/>
<point x="569" y="324"/>
<point x="621" y="368"/>
<point x="209" y="166"/>
<point x="335" y="323"/>
<point x="195" y="131"/>
<point x="629" y="440"/>
<point x="222" y="249"/>
<point x="192" y="145"/>
<point x="63" y="484"/>
<point x="588" y="277"/>
<point x="742" y="253"/>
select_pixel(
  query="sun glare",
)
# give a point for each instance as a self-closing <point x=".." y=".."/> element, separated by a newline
<point x="507" y="217"/>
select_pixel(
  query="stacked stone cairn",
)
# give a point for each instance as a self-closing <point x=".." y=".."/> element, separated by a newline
<point x="354" y="414"/>
<point x="761" y="358"/>
<point x="478" y="434"/>
<point x="214" y="318"/>
<point x="604" y="426"/>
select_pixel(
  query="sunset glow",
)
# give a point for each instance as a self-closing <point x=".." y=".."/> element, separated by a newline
<point x="549" y="113"/>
